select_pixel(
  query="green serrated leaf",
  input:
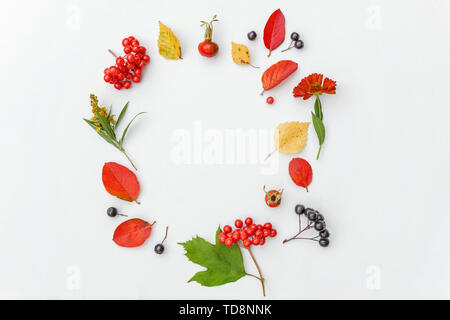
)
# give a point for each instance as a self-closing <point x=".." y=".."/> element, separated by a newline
<point x="318" y="108"/>
<point x="122" y="113"/>
<point x="223" y="264"/>
<point x="319" y="127"/>
<point x="126" y="129"/>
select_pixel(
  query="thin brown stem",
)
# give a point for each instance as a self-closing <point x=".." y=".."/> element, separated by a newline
<point x="259" y="271"/>
<point x="167" y="230"/>
<point x="112" y="52"/>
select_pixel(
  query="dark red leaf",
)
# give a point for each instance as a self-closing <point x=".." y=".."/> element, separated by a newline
<point x="132" y="233"/>
<point x="274" y="31"/>
<point x="301" y="172"/>
<point x="120" y="181"/>
<point x="276" y="73"/>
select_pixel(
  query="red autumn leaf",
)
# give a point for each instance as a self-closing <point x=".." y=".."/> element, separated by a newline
<point x="276" y="73"/>
<point x="132" y="233"/>
<point x="274" y="31"/>
<point x="120" y="181"/>
<point x="301" y="172"/>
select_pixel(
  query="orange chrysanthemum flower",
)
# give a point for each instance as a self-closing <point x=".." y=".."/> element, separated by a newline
<point x="312" y="86"/>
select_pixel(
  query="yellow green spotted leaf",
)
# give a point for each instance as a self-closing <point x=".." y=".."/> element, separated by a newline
<point x="240" y="54"/>
<point x="168" y="44"/>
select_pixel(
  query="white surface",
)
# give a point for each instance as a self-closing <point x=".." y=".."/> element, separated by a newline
<point x="382" y="181"/>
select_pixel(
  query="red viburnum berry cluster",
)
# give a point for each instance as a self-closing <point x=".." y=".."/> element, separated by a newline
<point x="127" y="68"/>
<point x="251" y="234"/>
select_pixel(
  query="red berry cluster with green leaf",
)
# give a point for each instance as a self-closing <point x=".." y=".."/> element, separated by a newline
<point x="128" y="68"/>
<point x="250" y="234"/>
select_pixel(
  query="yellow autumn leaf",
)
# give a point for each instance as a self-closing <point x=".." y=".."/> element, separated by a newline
<point x="240" y="54"/>
<point x="168" y="45"/>
<point x="290" y="137"/>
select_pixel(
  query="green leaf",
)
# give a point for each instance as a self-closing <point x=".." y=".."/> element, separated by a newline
<point x="223" y="264"/>
<point x="319" y="127"/>
<point x="122" y="113"/>
<point x="101" y="134"/>
<point x="105" y="125"/>
<point x="126" y="129"/>
<point x="318" y="108"/>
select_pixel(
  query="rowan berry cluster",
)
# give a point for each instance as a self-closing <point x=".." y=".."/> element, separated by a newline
<point x="250" y="234"/>
<point x="127" y="68"/>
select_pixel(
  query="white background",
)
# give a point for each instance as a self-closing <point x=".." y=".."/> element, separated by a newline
<point x="382" y="181"/>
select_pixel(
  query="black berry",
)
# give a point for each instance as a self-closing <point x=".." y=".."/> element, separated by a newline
<point x="324" y="234"/>
<point x="299" y="209"/>
<point x="251" y="35"/>
<point x="324" y="242"/>
<point x="159" y="248"/>
<point x="298" y="44"/>
<point x="319" y="226"/>
<point x="294" y="36"/>
<point x="112" y="212"/>
<point x="320" y="217"/>
<point x="312" y="216"/>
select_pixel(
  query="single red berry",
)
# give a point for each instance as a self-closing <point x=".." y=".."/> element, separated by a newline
<point x="146" y="57"/>
<point x="208" y="48"/>
<point x="259" y="227"/>
<point x="127" y="84"/>
<point x="135" y="43"/>
<point x="255" y="241"/>
<point x="268" y="225"/>
<point x="273" y="233"/>
<point x="135" y="49"/>
<point x="258" y="233"/>
<point x="126" y="42"/>
<point x="120" y="76"/>
<point x="138" y="72"/>
<point x="120" y="61"/>
<point x="221" y="235"/>
<point x="238" y="223"/>
<point x="270" y="100"/>
<point x="142" y="49"/>
<point x="236" y="236"/>
<point x="251" y="231"/>
<point x="248" y="221"/>
<point x="142" y="64"/>
<point x="113" y="70"/>
<point x="229" y="242"/>
<point x="107" y="78"/>
<point x="273" y="197"/>
<point x="266" y="233"/>
<point x="227" y="229"/>
<point x="123" y="69"/>
<point x="247" y="243"/>
<point x="129" y="76"/>
<point x="106" y="71"/>
<point x="137" y="60"/>
<point x="244" y="235"/>
<point x="118" y="85"/>
<point x="262" y="241"/>
<point x="136" y="79"/>
<point x="127" y="50"/>
<point x="130" y="66"/>
<point x="131" y="38"/>
<point x="130" y="58"/>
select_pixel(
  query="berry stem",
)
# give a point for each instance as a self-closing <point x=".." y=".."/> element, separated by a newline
<point x="309" y="226"/>
<point x="290" y="47"/>
<point x="167" y="230"/>
<point x="259" y="271"/>
<point x="112" y="52"/>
